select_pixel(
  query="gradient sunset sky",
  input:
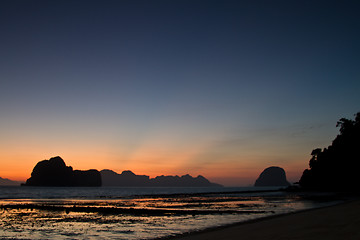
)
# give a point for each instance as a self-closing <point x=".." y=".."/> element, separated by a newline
<point x="223" y="89"/>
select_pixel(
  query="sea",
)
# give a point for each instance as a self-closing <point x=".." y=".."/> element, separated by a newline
<point x="139" y="213"/>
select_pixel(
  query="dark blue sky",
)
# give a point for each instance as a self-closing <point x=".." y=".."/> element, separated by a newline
<point x="240" y="83"/>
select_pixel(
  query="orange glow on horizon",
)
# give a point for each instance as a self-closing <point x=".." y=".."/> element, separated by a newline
<point x="229" y="166"/>
<point x="226" y="172"/>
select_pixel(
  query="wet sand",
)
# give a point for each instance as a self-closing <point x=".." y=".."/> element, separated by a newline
<point x="336" y="222"/>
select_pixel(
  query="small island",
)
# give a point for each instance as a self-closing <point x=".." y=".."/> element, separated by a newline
<point x="271" y="177"/>
<point x="55" y="173"/>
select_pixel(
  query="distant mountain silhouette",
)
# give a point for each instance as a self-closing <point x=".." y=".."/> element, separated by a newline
<point x="54" y="172"/>
<point x="89" y="178"/>
<point x="272" y="176"/>
<point x="336" y="167"/>
<point x="125" y="179"/>
<point x="8" y="182"/>
<point x="129" y="179"/>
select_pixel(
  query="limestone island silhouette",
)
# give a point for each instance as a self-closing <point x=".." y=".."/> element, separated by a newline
<point x="54" y="172"/>
<point x="272" y="176"/>
<point x="130" y="179"/>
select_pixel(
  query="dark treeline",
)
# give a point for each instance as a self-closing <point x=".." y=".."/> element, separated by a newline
<point x="337" y="166"/>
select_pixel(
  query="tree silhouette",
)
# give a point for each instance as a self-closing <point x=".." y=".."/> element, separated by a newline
<point x="336" y="167"/>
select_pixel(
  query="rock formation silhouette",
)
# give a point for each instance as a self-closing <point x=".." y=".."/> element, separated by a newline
<point x="272" y="176"/>
<point x="336" y="167"/>
<point x="89" y="178"/>
<point x="129" y="179"/>
<point x="183" y="181"/>
<point x="8" y="182"/>
<point x="125" y="179"/>
<point x="54" y="172"/>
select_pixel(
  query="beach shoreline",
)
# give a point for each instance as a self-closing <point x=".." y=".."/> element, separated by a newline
<point x="339" y="221"/>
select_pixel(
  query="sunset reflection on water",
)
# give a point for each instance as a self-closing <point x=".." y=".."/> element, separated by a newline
<point x="72" y="218"/>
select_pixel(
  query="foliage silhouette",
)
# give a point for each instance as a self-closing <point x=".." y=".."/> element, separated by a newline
<point x="336" y="167"/>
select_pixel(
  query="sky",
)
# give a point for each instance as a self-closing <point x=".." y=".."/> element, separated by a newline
<point x="222" y="89"/>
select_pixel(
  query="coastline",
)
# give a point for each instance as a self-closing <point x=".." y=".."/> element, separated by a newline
<point x="340" y="221"/>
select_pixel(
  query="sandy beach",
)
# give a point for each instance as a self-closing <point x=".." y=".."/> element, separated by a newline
<point x="336" y="222"/>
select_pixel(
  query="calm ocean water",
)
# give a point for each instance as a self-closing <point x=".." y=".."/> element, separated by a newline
<point x="135" y="213"/>
<point x="15" y="192"/>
